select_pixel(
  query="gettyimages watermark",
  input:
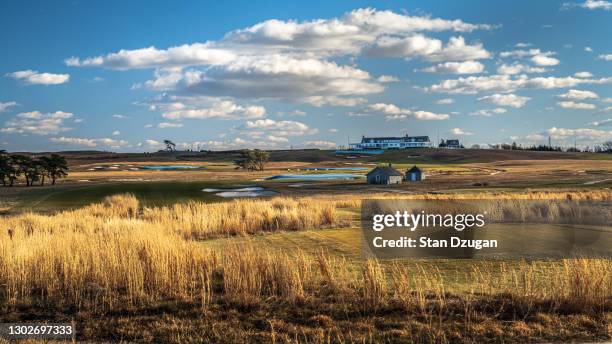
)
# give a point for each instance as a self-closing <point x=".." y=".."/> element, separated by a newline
<point x="486" y="229"/>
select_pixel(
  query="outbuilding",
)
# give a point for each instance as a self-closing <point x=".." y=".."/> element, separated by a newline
<point x="414" y="174"/>
<point x="385" y="175"/>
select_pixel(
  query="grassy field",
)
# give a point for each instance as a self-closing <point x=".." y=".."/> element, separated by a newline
<point x="281" y="270"/>
<point x="175" y="264"/>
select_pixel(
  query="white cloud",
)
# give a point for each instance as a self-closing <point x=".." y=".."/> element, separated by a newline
<point x="445" y="101"/>
<point x="578" y="95"/>
<point x="319" y="101"/>
<point x="387" y="78"/>
<point x="427" y="48"/>
<point x="90" y="142"/>
<point x="521" y="53"/>
<point x="522" y="45"/>
<point x="277" y="128"/>
<point x="517" y="68"/>
<point x="5" y="106"/>
<point x="583" y="74"/>
<point x="505" y="100"/>
<point x="459" y="131"/>
<point x="333" y="130"/>
<point x="506" y="83"/>
<point x="588" y="49"/>
<point x="273" y="76"/>
<point x="169" y="125"/>
<point x="75" y="141"/>
<point x="151" y="57"/>
<point x="607" y="100"/>
<point x="576" y="106"/>
<point x="605" y="110"/>
<point x="488" y="112"/>
<point x="116" y="132"/>
<point x="542" y="60"/>
<point x="277" y="139"/>
<point x="561" y="133"/>
<point x="590" y="5"/>
<point x="38" y="123"/>
<point x="603" y="122"/>
<point x="393" y="112"/>
<point x="466" y="67"/>
<point x="606" y="57"/>
<point x="32" y="77"/>
<point x="320" y="144"/>
<point x="222" y="109"/>
<point x="118" y="116"/>
<point x="289" y="59"/>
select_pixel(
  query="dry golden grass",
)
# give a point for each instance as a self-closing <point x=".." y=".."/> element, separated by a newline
<point x="113" y="254"/>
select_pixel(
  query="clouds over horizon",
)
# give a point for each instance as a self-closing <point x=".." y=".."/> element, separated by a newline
<point x="32" y="77"/>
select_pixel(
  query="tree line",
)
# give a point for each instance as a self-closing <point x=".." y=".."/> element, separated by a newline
<point x="606" y="147"/>
<point x="34" y="170"/>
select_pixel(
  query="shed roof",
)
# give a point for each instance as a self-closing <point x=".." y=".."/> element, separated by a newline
<point x="414" y="169"/>
<point x="386" y="170"/>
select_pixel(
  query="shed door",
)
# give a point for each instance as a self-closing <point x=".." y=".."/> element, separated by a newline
<point x="377" y="178"/>
<point x="413" y="177"/>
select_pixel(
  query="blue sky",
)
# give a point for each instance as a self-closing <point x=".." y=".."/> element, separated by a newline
<point x="125" y="75"/>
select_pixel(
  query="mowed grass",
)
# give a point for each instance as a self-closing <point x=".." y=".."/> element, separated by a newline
<point x="156" y="193"/>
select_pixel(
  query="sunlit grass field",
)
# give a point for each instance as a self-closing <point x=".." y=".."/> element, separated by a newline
<point x="281" y="269"/>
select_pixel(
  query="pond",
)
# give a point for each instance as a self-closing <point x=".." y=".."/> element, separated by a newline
<point x="170" y="167"/>
<point x="251" y="191"/>
<point x="321" y="176"/>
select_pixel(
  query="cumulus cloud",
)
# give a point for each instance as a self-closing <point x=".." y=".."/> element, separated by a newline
<point x="578" y="95"/>
<point x="164" y="125"/>
<point x="293" y="60"/>
<point x="445" y="101"/>
<point x="151" y="57"/>
<point x="277" y="128"/>
<point x="116" y="133"/>
<point x="505" y="100"/>
<point x="543" y="60"/>
<point x="274" y="76"/>
<point x="576" y="105"/>
<point x="32" y="77"/>
<point x="488" y="112"/>
<point x="37" y="123"/>
<point x="459" y="131"/>
<point x="583" y="74"/>
<point x="420" y="46"/>
<point x="221" y="109"/>
<point x="588" y="49"/>
<point x="77" y="141"/>
<point x="606" y="57"/>
<point x="604" y="122"/>
<point x="394" y="112"/>
<point x="517" y="68"/>
<point x="5" y="106"/>
<point x="506" y="83"/>
<point x="585" y="133"/>
<point x="590" y="5"/>
<point x="320" y="144"/>
<point x="319" y="101"/>
<point x="387" y="78"/>
<point x="466" y="67"/>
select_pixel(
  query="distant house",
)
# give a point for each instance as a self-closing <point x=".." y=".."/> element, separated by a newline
<point x="402" y="142"/>
<point x="414" y="174"/>
<point x="385" y="175"/>
<point x="453" y="144"/>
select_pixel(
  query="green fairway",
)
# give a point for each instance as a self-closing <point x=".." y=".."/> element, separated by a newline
<point x="161" y="193"/>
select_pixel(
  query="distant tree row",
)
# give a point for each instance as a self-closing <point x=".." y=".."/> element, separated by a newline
<point x="252" y="160"/>
<point x="13" y="166"/>
<point x="606" y="147"/>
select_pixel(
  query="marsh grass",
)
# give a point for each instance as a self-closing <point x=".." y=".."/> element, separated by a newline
<point x="116" y="254"/>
